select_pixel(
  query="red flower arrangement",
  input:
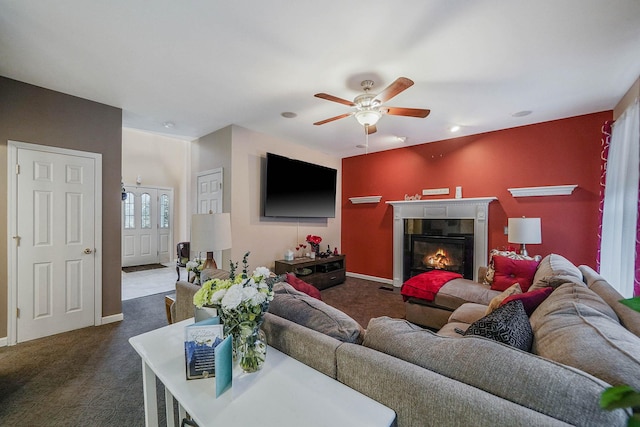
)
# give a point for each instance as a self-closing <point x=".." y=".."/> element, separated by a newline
<point x="314" y="240"/>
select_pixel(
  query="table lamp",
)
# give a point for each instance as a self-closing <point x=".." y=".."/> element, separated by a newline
<point x="524" y="231"/>
<point x="210" y="232"/>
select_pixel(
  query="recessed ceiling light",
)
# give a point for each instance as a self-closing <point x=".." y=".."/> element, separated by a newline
<point x="454" y="128"/>
<point x="361" y="146"/>
<point x="522" y="113"/>
<point x="402" y="139"/>
<point x="168" y="125"/>
<point x="288" y="115"/>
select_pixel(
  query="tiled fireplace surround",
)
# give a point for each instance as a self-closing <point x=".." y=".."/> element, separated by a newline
<point x="470" y="208"/>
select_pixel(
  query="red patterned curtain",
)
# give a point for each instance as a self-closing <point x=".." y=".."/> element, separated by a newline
<point x="605" y="140"/>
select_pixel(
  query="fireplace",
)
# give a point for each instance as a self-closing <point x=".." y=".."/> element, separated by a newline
<point x="440" y="218"/>
<point x="449" y="253"/>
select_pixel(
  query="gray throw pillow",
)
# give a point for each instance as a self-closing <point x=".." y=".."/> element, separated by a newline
<point x="508" y="324"/>
<point x="307" y="311"/>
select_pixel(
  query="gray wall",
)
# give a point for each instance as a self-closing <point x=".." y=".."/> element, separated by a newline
<point x="40" y="116"/>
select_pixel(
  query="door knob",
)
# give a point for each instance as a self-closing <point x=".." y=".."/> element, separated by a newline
<point x="88" y="251"/>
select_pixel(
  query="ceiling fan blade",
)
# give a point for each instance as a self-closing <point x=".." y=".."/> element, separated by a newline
<point x="411" y="112"/>
<point x="341" y="116"/>
<point x="401" y="84"/>
<point x="371" y="129"/>
<point x="334" y="99"/>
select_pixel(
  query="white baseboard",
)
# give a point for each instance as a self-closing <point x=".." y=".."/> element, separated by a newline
<point x="3" y="342"/>
<point x="113" y="318"/>
<point x="372" y="278"/>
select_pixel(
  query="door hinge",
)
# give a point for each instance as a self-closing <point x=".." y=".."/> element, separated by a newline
<point x="17" y="313"/>
<point x="17" y="169"/>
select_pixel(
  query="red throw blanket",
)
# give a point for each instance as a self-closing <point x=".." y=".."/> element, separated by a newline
<point x="426" y="285"/>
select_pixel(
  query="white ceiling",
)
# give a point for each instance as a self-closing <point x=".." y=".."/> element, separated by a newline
<point x="203" y="65"/>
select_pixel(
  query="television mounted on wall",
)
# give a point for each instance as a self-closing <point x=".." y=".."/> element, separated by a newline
<point x="297" y="189"/>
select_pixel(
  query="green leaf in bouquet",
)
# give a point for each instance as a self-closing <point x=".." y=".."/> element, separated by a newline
<point x="621" y="396"/>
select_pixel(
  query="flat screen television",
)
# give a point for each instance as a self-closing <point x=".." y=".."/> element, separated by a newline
<point x="297" y="189"/>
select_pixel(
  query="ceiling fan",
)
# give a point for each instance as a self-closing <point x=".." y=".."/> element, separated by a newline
<point x="369" y="107"/>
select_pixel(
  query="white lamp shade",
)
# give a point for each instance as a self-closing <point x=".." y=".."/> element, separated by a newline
<point x="210" y="232"/>
<point x="524" y="230"/>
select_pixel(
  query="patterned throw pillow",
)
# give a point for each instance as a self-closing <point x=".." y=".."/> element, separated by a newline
<point x="508" y="324"/>
<point x="488" y="278"/>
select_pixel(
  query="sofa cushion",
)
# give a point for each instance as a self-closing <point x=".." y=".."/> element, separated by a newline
<point x="307" y="311"/>
<point x="302" y="286"/>
<point x="539" y="384"/>
<point x="574" y="329"/>
<point x="509" y="324"/>
<point x="459" y="291"/>
<point x="508" y="271"/>
<point x="213" y="273"/>
<point x="530" y="300"/>
<point x="468" y="313"/>
<point x="497" y="300"/>
<point x="552" y="266"/>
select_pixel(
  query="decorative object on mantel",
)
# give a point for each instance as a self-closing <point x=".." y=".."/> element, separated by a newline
<point x="416" y="197"/>
<point x="435" y="191"/>
<point x="241" y="302"/>
<point x="549" y="190"/>
<point x="365" y="199"/>
<point x="124" y="191"/>
<point x="524" y="231"/>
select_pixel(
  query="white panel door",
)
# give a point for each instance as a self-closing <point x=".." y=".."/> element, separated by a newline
<point x="55" y="223"/>
<point x="147" y="223"/>
<point x="210" y="191"/>
<point x="139" y="227"/>
<point x="165" y="225"/>
<point x="209" y="199"/>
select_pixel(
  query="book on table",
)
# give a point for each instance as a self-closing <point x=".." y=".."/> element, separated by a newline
<point x="200" y="342"/>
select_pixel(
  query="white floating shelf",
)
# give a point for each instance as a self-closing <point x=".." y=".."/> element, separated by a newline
<point x="365" y="199"/>
<point x="550" y="190"/>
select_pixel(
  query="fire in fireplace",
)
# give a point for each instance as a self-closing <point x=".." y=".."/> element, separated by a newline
<point x="450" y="253"/>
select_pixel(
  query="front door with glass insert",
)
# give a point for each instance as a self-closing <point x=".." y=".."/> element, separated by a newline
<point x="146" y="226"/>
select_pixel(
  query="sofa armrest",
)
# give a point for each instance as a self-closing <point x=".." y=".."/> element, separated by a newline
<point x="482" y="272"/>
<point x="183" y="308"/>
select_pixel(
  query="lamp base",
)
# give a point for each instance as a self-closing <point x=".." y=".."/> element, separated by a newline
<point x="523" y="250"/>
<point x="209" y="263"/>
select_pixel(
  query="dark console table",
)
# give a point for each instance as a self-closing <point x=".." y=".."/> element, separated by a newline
<point x="320" y="272"/>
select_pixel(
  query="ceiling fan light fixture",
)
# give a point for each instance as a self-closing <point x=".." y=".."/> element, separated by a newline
<point x="368" y="117"/>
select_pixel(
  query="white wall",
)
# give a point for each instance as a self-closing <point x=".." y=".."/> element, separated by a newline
<point x="161" y="161"/>
<point x="269" y="238"/>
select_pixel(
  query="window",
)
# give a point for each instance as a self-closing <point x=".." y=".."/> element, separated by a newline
<point x="130" y="211"/>
<point x="145" y="210"/>
<point x="164" y="211"/>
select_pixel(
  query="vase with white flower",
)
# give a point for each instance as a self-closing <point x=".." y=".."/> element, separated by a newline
<point x="195" y="266"/>
<point x="241" y="302"/>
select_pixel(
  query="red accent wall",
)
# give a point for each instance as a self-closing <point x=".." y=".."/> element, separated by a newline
<point x="559" y="152"/>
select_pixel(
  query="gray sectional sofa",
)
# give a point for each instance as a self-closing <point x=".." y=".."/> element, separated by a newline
<point x="584" y="340"/>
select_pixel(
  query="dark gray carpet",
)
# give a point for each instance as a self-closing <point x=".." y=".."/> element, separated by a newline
<point x="88" y="377"/>
<point x="93" y="377"/>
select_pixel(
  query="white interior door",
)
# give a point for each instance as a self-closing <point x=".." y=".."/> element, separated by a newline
<point x="55" y="241"/>
<point x="209" y="199"/>
<point x="210" y="191"/>
<point x="146" y="226"/>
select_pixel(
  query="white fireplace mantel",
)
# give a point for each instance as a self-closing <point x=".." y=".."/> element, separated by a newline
<point x="476" y="208"/>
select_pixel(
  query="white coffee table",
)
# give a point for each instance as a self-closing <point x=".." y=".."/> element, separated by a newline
<point x="285" y="392"/>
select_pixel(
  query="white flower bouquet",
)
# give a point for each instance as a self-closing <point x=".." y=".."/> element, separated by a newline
<point x="241" y="301"/>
